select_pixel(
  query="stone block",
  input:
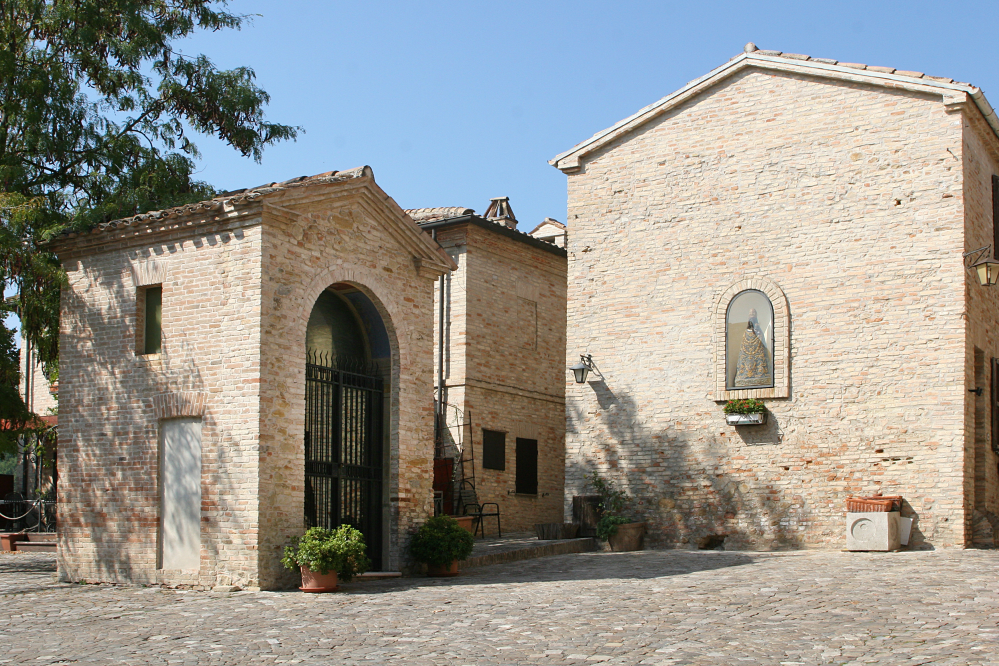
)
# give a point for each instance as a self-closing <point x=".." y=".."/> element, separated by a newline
<point x="872" y="531"/>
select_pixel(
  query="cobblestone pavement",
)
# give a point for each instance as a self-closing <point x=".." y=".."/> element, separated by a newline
<point x="651" y="607"/>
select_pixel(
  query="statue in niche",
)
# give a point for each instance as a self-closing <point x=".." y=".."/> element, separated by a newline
<point x="753" y="368"/>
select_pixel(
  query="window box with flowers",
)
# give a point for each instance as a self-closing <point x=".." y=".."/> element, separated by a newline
<point x="745" y="412"/>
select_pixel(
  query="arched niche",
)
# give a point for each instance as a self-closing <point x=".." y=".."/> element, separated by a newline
<point x="350" y="405"/>
<point x="752" y="319"/>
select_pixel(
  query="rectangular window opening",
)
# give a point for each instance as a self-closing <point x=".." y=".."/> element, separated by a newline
<point x="493" y="449"/>
<point x="150" y="319"/>
<point x="527" y="466"/>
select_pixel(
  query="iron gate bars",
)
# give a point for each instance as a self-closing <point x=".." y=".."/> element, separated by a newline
<point x="343" y="449"/>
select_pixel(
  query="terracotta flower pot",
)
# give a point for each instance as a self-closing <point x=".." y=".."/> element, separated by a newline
<point x="465" y="522"/>
<point x="317" y="582"/>
<point x="630" y="536"/>
<point x="438" y="570"/>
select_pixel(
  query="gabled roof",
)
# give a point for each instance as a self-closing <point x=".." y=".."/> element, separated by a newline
<point x="426" y="252"/>
<point x="952" y="92"/>
<point x="548" y="222"/>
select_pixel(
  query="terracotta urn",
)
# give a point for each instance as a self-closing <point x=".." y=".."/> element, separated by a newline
<point x="313" y="581"/>
<point x="630" y="536"/>
<point x="438" y="570"/>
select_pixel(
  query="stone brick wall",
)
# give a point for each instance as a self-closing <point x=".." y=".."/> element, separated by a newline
<point x="505" y="369"/>
<point x="849" y="198"/>
<point x="980" y="159"/>
<point x="108" y="421"/>
<point x="42" y="402"/>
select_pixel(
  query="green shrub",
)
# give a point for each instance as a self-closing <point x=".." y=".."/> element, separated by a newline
<point x="612" y="505"/>
<point x="440" y="541"/>
<point x="607" y="525"/>
<point x="748" y="406"/>
<point x="322" y="550"/>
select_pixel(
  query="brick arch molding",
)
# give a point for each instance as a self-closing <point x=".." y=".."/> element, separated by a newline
<point x="782" y="340"/>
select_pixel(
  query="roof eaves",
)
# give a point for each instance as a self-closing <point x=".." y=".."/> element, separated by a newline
<point x="501" y="229"/>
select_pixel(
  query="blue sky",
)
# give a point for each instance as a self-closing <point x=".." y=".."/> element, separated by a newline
<point x="452" y="103"/>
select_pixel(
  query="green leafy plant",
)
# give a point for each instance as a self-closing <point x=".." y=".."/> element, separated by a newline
<point x="613" y="503"/>
<point x="322" y="550"/>
<point x="100" y="101"/>
<point x="607" y="525"/>
<point x="748" y="406"/>
<point x="440" y="541"/>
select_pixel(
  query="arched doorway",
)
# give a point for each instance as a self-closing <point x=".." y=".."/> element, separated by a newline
<point x="347" y="372"/>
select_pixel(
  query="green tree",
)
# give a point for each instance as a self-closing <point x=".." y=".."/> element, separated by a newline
<point x="97" y="108"/>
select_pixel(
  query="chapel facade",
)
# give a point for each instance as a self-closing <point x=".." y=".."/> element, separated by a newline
<point x="792" y="230"/>
<point x="236" y="370"/>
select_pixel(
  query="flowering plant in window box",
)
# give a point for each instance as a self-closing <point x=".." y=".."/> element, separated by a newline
<point x="745" y="412"/>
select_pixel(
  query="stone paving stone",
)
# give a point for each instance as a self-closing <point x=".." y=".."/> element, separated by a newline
<point x="650" y="607"/>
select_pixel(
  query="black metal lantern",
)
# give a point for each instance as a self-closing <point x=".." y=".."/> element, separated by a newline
<point x="988" y="272"/>
<point x="581" y="369"/>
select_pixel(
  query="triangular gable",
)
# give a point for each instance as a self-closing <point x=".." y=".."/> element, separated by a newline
<point x="952" y="93"/>
<point x="430" y="259"/>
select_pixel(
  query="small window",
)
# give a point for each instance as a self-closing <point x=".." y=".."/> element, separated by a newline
<point x="151" y="316"/>
<point x="493" y="449"/>
<point x="749" y="349"/>
<point x="527" y="466"/>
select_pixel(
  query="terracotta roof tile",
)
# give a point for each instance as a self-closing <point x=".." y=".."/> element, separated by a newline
<point x="224" y="199"/>
<point x="441" y="213"/>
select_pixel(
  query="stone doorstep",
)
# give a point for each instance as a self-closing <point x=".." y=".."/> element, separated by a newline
<point x="378" y="575"/>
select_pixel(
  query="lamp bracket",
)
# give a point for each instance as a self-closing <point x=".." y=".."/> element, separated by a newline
<point x="977" y="255"/>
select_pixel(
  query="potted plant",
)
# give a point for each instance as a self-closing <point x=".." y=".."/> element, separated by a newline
<point x="745" y="412"/>
<point x="440" y="543"/>
<point x="324" y="556"/>
<point x="619" y="530"/>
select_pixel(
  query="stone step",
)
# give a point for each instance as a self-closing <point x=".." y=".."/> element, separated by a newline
<point x="40" y="537"/>
<point x="529" y="551"/>
<point x="36" y="546"/>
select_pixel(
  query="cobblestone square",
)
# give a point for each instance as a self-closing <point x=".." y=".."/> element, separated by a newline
<point x="650" y="607"/>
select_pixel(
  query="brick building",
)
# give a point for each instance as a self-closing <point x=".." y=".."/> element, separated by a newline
<point x="789" y="229"/>
<point x="501" y="362"/>
<point x="206" y="352"/>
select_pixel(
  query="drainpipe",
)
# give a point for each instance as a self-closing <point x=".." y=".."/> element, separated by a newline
<point x="439" y="415"/>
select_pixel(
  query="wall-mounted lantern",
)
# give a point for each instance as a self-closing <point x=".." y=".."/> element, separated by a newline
<point x="581" y="369"/>
<point x="987" y="270"/>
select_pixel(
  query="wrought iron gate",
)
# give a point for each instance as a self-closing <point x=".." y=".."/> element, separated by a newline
<point x="343" y="449"/>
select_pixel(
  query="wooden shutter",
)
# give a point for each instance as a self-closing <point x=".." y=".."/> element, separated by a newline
<point x="527" y="466"/>
<point x="994" y="400"/>
<point x="493" y="449"/>
<point x="995" y="216"/>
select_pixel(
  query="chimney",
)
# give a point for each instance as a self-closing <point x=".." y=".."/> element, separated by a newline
<point x="499" y="211"/>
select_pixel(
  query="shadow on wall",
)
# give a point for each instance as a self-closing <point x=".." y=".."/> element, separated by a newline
<point x="109" y="490"/>
<point x="682" y="483"/>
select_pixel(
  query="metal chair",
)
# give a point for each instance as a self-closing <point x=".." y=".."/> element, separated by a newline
<point x="470" y="506"/>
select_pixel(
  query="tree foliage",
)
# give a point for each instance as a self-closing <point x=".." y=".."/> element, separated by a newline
<point x="97" y="109"/>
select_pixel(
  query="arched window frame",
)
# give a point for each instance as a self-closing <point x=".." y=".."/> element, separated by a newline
<point x="781" y="344"/>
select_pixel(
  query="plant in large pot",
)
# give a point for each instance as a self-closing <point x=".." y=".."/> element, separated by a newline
<point x="620" y="530"/>
<point x="326" y="556"/>
<point x="745" y="412"/>
<point x="440" y="543"/>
